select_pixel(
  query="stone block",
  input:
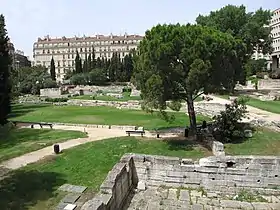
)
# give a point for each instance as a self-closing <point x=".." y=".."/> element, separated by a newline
<point x="71" y="198"/>
<point x="260" y="205"/>
<point x="184" y="195"/>
<point x="141" y="185"/>
<point x="197" y="207"/>
<point x="274" y="206"/>
<point x="172" y="194"/>
<point x="230" y="204"/>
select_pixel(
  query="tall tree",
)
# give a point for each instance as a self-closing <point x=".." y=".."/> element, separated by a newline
<point x="128" y="67"/>
<point x="85" y="66"/>
<point x="98" y="63"/>
<point x="52" y="70"/>
<point x="178" y="63"/>
<point x="102" y="63"/>
<point x="78" y="64"/>
<point x="5" y="83"/>
<point x="250" y="27"/>
<point x="89" y="63"/>
<point x="113" y="67"/>
<point x="93" y="59"/>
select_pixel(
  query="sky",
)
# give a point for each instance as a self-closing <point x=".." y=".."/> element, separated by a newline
<point x="26" y="20"/>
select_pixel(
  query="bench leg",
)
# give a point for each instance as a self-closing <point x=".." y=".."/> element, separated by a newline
<point x="41" y="126"/>
<point x="51" y="126"/>
<point x="128" y="134"/>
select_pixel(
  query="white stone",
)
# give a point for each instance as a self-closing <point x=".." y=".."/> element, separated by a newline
<point x="141" y="185"/>
<point x="248" y="133"/>
<point x="70" y="207"/>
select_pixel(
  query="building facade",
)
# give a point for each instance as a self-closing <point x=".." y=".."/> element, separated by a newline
<point x="19" y="60"/>
<point x="275" y="33"/>
<point x="63" y="50"/>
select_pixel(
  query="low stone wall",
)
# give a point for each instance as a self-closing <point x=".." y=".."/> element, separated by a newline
<point x="51" y="92"/>
<point x="268" y="84"/>
<point x="225" y="174"/>
<point x="114" y="191"/>
<point x="117" y="104"/>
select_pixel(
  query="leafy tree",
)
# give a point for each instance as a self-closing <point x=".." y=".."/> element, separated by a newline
<point x="97" y="77"/>
<point x="5" y="82"/>
<point x="78" y="64"/>
<point x="252" y="66"/>
<point x="251" y="28"/>
<point x="78" y="79"/>
<point x="227" y="123"/>
<point x="52" y="71"/>
<point x="178" y="62"/>
<point x="32" y="79"/>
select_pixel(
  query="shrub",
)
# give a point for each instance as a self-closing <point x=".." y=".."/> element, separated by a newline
<point x="126" y="90"/>
<point x="227" y="124"/>
<point x="260" y="75"/>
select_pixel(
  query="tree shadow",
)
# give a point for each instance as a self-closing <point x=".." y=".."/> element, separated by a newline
<point x="14" y="136"/>
<point x="23" y="109"/>
<point x="22" y="189"/>
<point x="180" y="144"/>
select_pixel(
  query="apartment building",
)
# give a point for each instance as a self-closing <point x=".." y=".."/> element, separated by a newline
<point x="18" y="58"/>
<point x="275" y="25"/>
<point x="63" y="49"/>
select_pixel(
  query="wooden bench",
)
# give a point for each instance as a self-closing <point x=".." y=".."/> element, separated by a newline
<point x="136" y="132"/>
<point x="41" y="124"/>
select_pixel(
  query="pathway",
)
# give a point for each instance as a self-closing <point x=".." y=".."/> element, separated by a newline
<point x="94" y="134"/>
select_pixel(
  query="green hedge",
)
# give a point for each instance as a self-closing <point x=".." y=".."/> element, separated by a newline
<point x="54" y="100"/>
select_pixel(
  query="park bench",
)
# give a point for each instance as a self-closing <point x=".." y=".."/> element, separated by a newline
<point x="136" y="132"/>
<point x="41" y="124"/>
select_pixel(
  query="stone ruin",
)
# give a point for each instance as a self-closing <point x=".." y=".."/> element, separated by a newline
<point x="158" y="182"/>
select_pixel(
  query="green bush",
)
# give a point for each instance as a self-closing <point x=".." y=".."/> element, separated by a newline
<point x="227" y="125"/>
<point x="126" y="90"/>
<point x="175" y="105"/>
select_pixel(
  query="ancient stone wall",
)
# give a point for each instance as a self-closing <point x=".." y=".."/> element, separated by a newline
<point x="114" y="191"/>
<point x="117" y="104"/>
<point x="216" y="173"/>
<point x="51" y="92"/>
<point x="266" y="84"/>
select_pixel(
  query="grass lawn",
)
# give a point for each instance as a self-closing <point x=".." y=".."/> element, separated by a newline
<point x="126" y="97"/>
<point x="263" y="142"/>
<point x="86" y="165"/>
<point x="17" y="142"/>
<point x="97" y="115"/>
<point x="270" y="106"/>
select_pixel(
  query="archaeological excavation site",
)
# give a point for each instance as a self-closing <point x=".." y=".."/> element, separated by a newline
<point x="217" y="182"/>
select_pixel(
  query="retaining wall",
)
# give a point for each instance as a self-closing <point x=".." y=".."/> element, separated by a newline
<point x="114" y="191"/>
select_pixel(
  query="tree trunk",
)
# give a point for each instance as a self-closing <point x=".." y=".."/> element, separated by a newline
<point x="192" y="116"/>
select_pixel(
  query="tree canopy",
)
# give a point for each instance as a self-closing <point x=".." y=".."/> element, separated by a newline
<point x="52" y="71"/>
<point x="252" y="28"/>
<point x="5" y="83"/>
<point x="177" y="62"/>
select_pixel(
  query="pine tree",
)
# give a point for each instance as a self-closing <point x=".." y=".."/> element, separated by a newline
<point x="113" y="66"/>
<point x="5" y="83"/>
<point x="78" y="64"/>
<point x="102" y="63"/>
<point x="128" y="67"/>
<point x="52" y="70"/>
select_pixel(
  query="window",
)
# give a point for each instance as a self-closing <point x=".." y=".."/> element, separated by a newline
<point x="68" y="44"/>
<point x="81" y="49"/>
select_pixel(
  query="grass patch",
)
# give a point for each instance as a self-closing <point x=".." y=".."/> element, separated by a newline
<point x="17" y="142"/>
<point x="263" y="142"/>
<point x="86" y="165"/>
<point x="126" y="97"/>
<point x="99" y="115"/>
<point x="270" y="106"/>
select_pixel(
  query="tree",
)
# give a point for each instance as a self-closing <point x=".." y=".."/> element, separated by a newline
<point x="98" y="63"/>
<point x="32" y="79"/>
<point x="227" y="123"/>
<point x="52" y="71"/>
<point x="93" y="59"/>
<point x="128" y="67"/>
<point x="252" y="66"/>
<point x="89" y="63"/>
<point x="251" y="28"/>
<point x="113" y="66"/>
<point x="78" y="64"/>
<point x="5" y="83"/>
<point x="179" y="62"/>
<point x="85" y="66"/>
